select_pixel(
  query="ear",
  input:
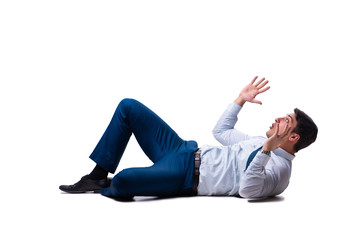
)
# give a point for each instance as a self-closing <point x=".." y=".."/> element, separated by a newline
<point x="294" y="137"/>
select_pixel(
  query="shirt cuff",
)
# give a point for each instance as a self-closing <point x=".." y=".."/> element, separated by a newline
<point x="261" y="159"/>
<point x="234" y="108"/>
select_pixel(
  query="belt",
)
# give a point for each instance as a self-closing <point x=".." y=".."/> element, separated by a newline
<point x="197" y="163"/>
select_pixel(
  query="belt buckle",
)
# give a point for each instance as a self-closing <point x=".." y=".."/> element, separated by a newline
<point x="197" y="162"/>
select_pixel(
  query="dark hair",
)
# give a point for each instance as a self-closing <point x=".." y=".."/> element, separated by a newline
<point x="306" y="128"/>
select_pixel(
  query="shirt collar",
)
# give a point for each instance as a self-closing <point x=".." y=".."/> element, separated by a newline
<point x="282" y="153"/>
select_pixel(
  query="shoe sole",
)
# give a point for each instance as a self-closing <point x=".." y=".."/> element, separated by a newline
<point x="75" y="192"/>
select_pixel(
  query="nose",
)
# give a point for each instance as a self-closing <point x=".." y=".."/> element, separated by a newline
<point x="278" y="120"/>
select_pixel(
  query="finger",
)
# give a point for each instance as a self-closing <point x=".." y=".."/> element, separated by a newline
<point x="284" y="133"/>
<point x="252" y="82"/>
<point x="259" y="82"/>
<point x="264" y="90"/>
<point x="287" y="131"/>
<point x="276" y="129"/>
<point x="256" y="101"/>
<point x="263" y="84"/>
<point x="290" y="130"/>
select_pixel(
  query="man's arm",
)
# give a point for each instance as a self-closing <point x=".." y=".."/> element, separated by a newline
<point x="258" y="182"/>
<point x="224" y="130"/>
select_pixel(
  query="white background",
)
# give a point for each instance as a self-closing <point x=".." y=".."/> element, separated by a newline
<point x="65" y="65"/>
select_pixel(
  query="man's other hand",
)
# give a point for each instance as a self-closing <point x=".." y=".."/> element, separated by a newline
<point x="249" y="92"/>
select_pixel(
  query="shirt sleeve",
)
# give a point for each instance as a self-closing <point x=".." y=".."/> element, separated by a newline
<point x="224" y="131"/>
<point x="259" y="182"/>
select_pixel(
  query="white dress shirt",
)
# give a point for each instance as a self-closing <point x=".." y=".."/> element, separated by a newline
<point x="222" y="169"/>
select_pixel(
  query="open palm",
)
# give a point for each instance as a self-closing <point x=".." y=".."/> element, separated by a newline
<point x="249" y="92"/>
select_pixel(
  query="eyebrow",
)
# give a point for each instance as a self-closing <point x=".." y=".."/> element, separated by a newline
<point x="290" y="117"/>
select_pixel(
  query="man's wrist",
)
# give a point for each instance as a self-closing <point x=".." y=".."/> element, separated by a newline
<point x="240" y="101"/>
<point x="265" y="152"/>
<point x="266" y="148"/>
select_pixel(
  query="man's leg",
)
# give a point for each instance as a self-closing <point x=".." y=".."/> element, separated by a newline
<point x="164" y="178"/>
<point x="155" y="137"/>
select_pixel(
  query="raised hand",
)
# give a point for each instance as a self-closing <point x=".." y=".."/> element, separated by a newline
<point x="249" y="92"/>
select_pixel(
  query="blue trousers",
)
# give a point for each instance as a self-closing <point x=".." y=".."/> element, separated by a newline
<point x="172" y="173"/>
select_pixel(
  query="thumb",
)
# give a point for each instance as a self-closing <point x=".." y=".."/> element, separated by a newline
<point x="256" y="101"/>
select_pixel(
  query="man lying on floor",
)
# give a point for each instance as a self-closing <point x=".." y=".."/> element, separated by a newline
<point x="252" y="167"/>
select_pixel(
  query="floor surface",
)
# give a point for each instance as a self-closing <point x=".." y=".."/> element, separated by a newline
<point x="65" y="65"/>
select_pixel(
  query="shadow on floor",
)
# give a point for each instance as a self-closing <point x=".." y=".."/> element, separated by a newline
<point x="269" y="199"/>
<point x="146" y="199"/>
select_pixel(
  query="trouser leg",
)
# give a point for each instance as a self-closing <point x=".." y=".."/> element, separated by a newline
<point x="164" y="178"/>
<point x="154" y="136"/>
<point x="173" y="157"/>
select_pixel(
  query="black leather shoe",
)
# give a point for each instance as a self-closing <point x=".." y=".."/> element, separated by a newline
<point x="86" y="185"/>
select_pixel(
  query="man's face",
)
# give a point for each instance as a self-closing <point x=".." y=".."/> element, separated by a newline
<point x="282" y="121"/>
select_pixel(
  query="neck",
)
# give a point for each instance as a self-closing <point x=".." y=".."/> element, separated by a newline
<point x="288" y="148"/>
